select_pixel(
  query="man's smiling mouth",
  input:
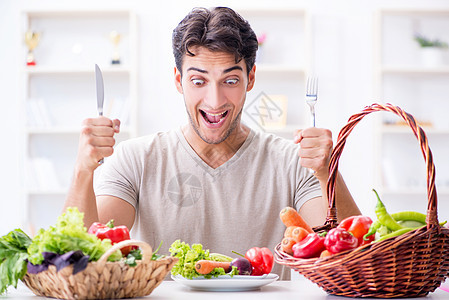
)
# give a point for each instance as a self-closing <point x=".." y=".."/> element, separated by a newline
<point x="213" y="118"/>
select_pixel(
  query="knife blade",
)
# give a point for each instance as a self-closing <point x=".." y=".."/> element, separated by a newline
<point x="100" y="94"/>
<point x="100" y="89"/>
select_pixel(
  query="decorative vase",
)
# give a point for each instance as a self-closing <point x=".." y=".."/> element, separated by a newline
<point x="432" y="56"/>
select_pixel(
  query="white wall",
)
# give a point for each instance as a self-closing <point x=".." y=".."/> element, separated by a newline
<point x="343" y="59"/>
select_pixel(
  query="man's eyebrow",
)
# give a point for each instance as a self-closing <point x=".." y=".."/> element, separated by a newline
<point x="197" y="69"/>
<point x="232" y="68"/>
<point x="224" y="72"/>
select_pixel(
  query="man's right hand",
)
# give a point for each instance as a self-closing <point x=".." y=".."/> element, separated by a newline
<point x="96" y="142"/>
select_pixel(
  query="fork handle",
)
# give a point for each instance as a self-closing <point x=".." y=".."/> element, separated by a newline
<point x="312" y="111"/>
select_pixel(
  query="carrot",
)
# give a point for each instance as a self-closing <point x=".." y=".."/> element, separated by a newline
<point x="207" y="266"/>
<point x="288" y="231"/>
<point x="299" y="233"/>
<point x="287" y="244"/>
<point x="290" y="217"/>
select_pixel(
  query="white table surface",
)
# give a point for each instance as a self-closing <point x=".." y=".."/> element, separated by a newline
<point x="296" y="289"/>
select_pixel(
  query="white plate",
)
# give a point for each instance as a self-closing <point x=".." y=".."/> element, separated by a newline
<point x="226" y="283"/>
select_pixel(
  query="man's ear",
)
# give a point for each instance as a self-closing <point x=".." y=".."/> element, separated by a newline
<point x="251" y="79"/>
<point x="178" y="80"/>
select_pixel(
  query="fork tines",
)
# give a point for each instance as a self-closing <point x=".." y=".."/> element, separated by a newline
<point x="312" y="96"/>
<point x="312" y="86"/>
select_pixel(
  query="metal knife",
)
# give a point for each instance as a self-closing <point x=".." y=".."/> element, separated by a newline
<point x="100" y="94"/>
<point x="100" y="89"/>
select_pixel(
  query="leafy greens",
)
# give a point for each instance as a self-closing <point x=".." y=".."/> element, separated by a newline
<point x="188" y="256"/>
<point x="69" y="234"/>
<point x="13" y="255"/>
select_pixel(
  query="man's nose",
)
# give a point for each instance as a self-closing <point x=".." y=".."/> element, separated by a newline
<point x="215" y="97"/>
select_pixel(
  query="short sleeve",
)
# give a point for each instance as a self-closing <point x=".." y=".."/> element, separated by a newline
<point x="308" y="187"/>
<point x="117" y="176"/>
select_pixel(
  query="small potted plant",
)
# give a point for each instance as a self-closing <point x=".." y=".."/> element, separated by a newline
<point x="432" y="50"/>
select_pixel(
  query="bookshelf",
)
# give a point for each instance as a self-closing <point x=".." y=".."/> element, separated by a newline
<point x="58" y="93"/>
<point x="282" y="64"/>
<point x="404" y="78"/>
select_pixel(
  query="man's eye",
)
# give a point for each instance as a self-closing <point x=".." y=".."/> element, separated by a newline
<point x="232" y="81"/>
<point x="197" y="81"/>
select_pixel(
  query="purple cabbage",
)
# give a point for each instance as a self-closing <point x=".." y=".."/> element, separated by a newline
<point x="60" y="261"/>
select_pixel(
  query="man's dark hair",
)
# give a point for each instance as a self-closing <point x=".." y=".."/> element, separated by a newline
<point x="219" y="29"/>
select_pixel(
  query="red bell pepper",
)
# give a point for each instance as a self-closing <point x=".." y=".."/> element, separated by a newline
<point x="338" y="240"/>
<point x="311" y="246"/>
<point x="114" y="233"/>
<point x="261" y="260"/>
<point x="358" y="226"/>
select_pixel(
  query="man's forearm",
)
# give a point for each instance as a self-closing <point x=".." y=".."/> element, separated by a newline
<point x="81" y="195"/>
<point x="346" y="206"/>
<point x="344" y="202"/>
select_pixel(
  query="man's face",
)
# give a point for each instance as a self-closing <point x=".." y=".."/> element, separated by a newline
<point x="214" y="89"/>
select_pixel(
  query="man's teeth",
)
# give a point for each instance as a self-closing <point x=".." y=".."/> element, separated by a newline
<point x="214" y="114"/>
<point x="214" y="118"/>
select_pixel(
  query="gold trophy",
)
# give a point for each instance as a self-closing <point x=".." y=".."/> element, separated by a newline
<point x="31" y="40"/>
<point x="115" y="37"/>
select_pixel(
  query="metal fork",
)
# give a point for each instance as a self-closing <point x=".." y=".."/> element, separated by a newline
<point x="312" y="96"/>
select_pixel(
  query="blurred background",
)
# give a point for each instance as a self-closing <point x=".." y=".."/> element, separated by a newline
<point x="363" y="52"/>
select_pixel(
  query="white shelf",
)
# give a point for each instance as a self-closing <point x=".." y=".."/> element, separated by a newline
<point x="61" y="70"/>
<point x="415" y="70"/>
<point x="412" y="191"/>
<point x="403" y="129"/>
<point x="71" y="14"/>
<point x="287" y="129"/>
<point x="65" y="130"/>
<point x="414" y="12"/>
<point x="52" y="192"/>
<point x="277" y="68"/>
<point x="277" y="12"/>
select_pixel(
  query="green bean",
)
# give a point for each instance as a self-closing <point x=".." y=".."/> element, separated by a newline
<point x="395" y="233"/>
<point x="409" y="216"/>
<point x="399" y="216"/>
<point x="412" y="216"/>
<point x="384" y="217"/>
<point x="410" y="223"/>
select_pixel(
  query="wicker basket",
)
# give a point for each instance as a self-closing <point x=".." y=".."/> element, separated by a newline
<point x="410" y="265"/>
<point x="103" y="279"/>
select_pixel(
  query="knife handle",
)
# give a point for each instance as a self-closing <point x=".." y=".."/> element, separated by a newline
<point x="100" y="113"/>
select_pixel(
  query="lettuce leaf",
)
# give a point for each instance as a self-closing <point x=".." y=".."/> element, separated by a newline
<point x="69" y="234"/>
<point x="188" y="256"/>
<point x="13" y="255"/>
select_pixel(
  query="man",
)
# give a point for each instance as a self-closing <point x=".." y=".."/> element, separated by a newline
<point x="214" y="181"/>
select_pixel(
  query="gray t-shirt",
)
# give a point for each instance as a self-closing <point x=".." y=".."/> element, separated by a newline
<point x="233" y="207"/>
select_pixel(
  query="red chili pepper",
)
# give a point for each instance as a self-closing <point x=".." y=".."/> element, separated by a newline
<point x="358" y="226"/>
<point x="114" y="233"/>
<point x="311" y="246"/>
<point x="338" y="240"/>
<point x="261" y="260"/>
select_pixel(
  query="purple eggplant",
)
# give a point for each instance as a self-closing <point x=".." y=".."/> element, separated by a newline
<point x="243" y="265"/>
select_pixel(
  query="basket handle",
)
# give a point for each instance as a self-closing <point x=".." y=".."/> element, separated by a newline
<point x="432" y="216"/>
<point x="147" y="251"/>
